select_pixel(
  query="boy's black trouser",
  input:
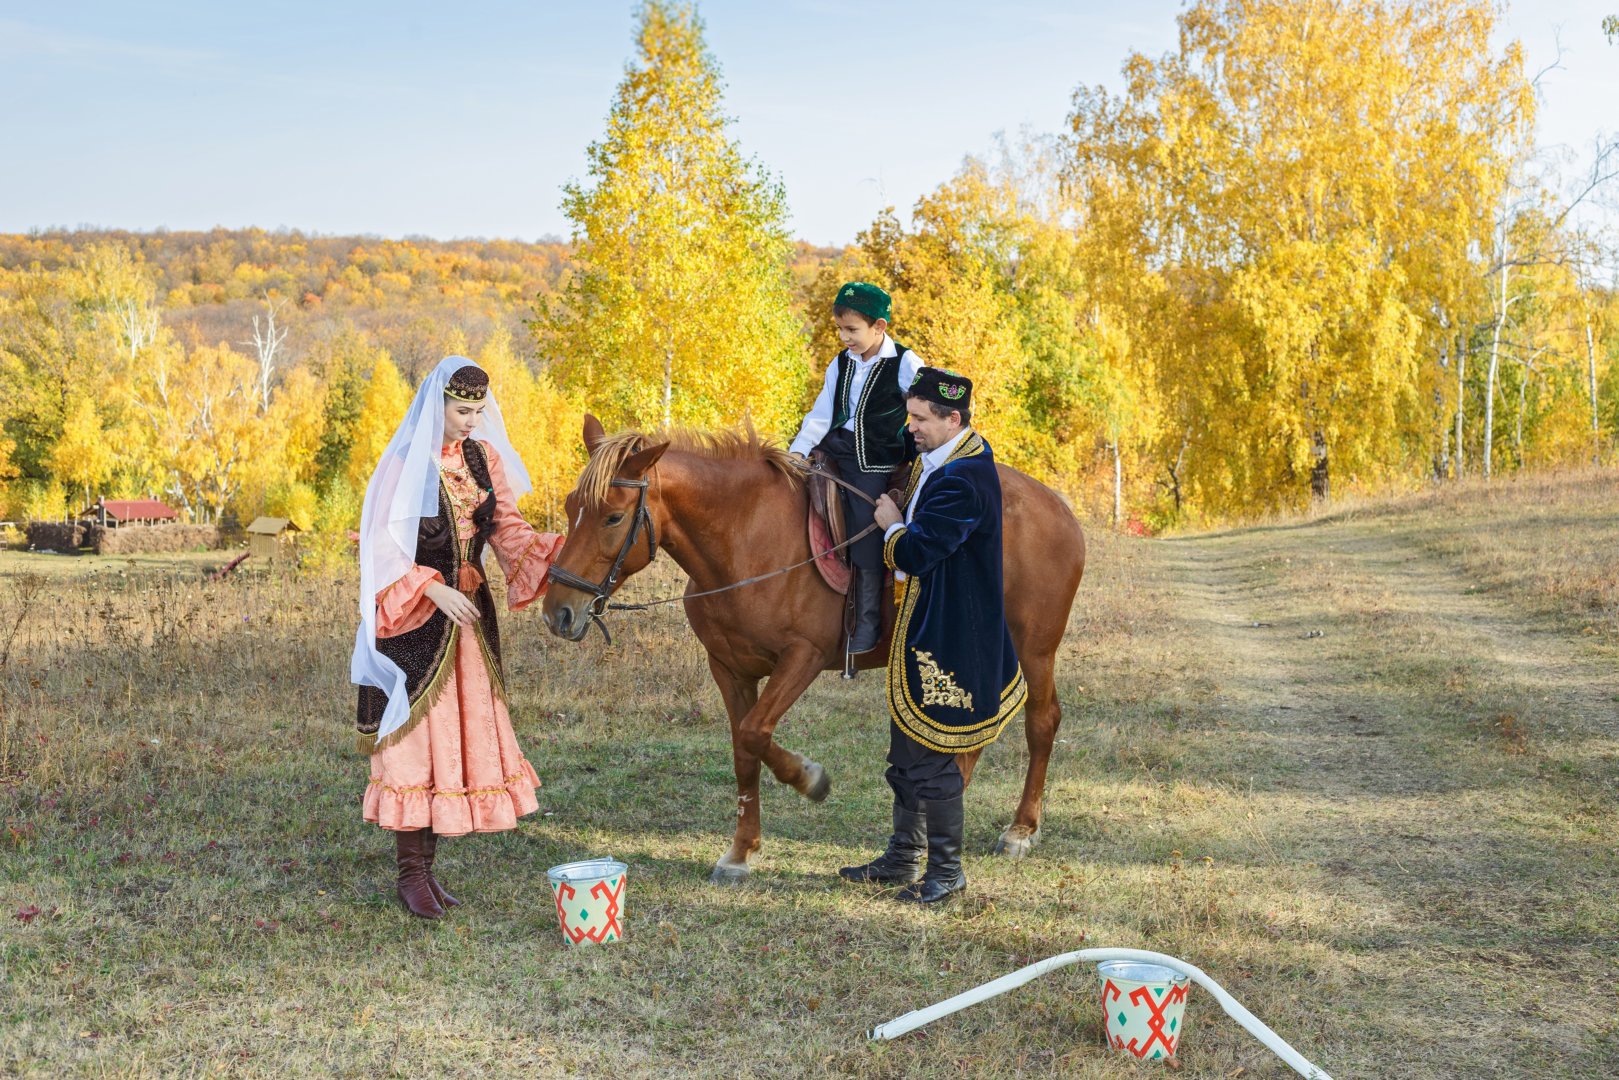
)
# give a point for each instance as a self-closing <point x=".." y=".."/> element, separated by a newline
<point x="866" y="553"/>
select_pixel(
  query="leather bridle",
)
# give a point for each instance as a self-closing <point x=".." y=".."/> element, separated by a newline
<point x="601" y="592"/>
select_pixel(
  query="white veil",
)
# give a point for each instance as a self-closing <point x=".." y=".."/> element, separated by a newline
<point x="403" y="489"/>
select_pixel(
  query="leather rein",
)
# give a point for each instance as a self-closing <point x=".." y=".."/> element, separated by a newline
<point x="601" y="592"/>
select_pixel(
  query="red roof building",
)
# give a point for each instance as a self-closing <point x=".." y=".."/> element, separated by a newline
<point x="129" y="512"/>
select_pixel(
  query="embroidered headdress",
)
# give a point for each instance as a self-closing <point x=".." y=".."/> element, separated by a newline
<point x="470" y="383"/>
<point x="865" y="298"/>
<point x="944" y="388"/>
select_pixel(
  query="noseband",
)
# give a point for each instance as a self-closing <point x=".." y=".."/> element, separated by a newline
<point x="601" y="592"/>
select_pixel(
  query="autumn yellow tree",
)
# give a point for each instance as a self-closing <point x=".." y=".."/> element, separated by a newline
<point x="679" y="308"/>
<point x="383" y="405"/>
<point x="542" y="423"/>
<point x="82" y="455"/>
<point x="988" y="280"/>
<point x="203" y="425"/>
<point x="1296" y="175"/>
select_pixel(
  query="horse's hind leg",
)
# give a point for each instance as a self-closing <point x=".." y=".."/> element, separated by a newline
<point x="1041" y="716"/>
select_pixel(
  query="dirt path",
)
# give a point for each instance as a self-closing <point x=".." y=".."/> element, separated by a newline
<point x="1282" y="621"/>
<point x="1450" y="753"/>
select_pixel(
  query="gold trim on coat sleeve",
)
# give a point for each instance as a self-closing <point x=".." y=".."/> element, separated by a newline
<point x="888" y="547"/>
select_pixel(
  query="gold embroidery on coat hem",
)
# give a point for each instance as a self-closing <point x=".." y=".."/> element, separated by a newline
<point x="939" y="686"/>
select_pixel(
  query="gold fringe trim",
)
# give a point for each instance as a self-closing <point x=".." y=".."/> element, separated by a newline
<point x="497" y="679"/>
<point x="370" y="744"/>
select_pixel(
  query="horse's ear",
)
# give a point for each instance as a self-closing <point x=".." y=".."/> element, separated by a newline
<point x="636" y="465"/>
<point x="594" y="433"/>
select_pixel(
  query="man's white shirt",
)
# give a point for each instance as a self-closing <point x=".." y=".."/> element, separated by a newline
<point x="931" y="462"/>
<point x="819" y="419"/>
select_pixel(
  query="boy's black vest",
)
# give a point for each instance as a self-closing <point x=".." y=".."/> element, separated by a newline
<point x="881" y="440"/>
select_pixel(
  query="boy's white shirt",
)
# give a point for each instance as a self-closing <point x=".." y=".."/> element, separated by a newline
<point x="931" y="461"/>
<point x="818" y="421"/>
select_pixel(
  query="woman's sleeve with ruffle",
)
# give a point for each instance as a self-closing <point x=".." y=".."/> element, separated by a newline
<point x="404" y="605"/>
<point x="524" y="553"/>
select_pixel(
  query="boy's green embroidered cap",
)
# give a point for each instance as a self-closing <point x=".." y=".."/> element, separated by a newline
<point x="865" y="298"/>
<point x="944" y="388"/>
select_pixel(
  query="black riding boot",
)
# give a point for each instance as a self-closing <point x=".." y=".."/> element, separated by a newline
<point x="944" y="877"/>
<point x="868" y="610"/>
<point x="902" y="862"/>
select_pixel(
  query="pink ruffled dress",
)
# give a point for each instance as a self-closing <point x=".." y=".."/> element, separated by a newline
<point x="460" y="770"/>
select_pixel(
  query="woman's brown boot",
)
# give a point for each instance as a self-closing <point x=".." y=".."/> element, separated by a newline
<point x="414" y="890"/>
<point x="430" y="848"/>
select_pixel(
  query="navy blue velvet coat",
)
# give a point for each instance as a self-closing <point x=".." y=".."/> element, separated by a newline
<point x="953" y="674"/>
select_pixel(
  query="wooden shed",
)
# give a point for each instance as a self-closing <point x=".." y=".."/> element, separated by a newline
<point x="270" y="538"/>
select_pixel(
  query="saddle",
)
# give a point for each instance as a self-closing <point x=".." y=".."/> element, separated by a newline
<point x="828" y="523"/>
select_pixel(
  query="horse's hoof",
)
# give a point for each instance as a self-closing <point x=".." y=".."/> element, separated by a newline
<point x="1015" y="843"/>
<point x="817" y="782"/>
<point x="726" y="874"/>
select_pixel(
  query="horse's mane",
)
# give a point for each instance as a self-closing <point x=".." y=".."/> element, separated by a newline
<point x="738" y="445"/>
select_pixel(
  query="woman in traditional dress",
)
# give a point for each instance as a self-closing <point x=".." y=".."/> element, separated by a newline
<point x="432" y="709"/>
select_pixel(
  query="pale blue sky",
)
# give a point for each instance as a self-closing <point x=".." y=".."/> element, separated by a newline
<point x="444" y="120"/>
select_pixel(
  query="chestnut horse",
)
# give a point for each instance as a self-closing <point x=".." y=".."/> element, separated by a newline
<point x="727" y="507"/>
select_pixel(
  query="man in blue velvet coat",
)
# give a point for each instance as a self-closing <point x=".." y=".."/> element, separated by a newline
<point x="953" y="675"/>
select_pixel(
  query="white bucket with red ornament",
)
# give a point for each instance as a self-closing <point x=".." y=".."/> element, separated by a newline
<point x="1144" y="1007"/>
<point x="590" y="900"/>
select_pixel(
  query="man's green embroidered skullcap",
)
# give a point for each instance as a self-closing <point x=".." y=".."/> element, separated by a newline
<point x="865" y="298"/>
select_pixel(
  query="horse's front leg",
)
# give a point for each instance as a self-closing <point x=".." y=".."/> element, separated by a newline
<point x="753" y="724"/>
<point x="740" y="694"/>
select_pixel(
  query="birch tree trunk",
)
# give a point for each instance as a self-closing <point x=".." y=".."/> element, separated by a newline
<point x="267" y="341"/>
<point x="668" y="386"/>
<point x="1495" y="354"/>
<point x="1591" y="361"/>
<point x="1461" y="402"/>
<point x="1118" y="486"/>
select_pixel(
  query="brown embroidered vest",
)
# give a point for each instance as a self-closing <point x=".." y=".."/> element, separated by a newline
<point x="427" y="654"/>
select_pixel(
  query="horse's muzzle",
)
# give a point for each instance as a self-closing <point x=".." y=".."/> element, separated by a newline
<point x="567" y="623"/>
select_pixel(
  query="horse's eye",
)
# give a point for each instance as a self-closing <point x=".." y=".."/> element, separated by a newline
<point x="614" y="520"/>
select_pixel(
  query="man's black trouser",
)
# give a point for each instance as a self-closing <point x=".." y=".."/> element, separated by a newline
<point x="866" y="553"/>
<point x="918" y="774"/>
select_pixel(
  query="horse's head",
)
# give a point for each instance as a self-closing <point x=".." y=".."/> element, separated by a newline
<point x="611" y="532"/>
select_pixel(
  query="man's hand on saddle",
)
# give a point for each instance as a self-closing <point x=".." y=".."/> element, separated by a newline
<point x="887" y="513"/>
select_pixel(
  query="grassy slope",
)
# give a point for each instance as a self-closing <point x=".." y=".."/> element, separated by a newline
<point x="1391" y="840"/>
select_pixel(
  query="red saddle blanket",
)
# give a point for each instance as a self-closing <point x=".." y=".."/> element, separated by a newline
<point x="834" y="571"/>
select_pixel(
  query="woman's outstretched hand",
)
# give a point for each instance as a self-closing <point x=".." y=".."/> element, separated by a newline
<point x="453" y="603"/>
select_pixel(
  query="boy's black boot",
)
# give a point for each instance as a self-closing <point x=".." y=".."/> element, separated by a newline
<point x="902" y="862"/>
<point x="944" y="878"/>
<point x="868" y="610"/>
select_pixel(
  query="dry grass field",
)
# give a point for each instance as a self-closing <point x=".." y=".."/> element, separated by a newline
<point x="1360" y="767"/>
